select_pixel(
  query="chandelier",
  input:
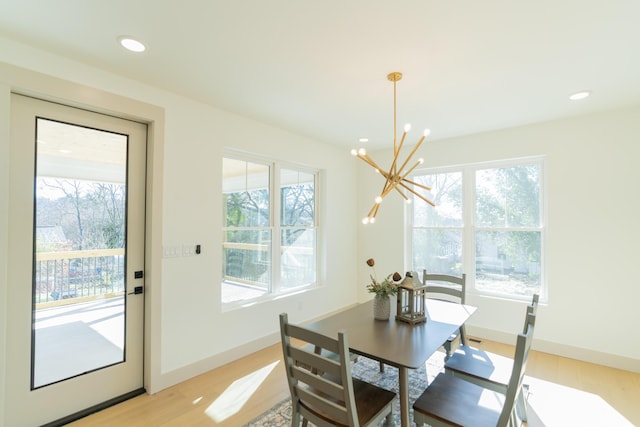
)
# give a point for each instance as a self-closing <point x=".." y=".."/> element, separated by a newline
<point x="395" y="177"/>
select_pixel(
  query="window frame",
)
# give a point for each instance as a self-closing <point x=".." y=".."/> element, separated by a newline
<point x="470" y="228"/>
<point x="275" y="289"/>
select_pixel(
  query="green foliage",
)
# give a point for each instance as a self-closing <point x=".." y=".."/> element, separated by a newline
<point x="382" y="289"/>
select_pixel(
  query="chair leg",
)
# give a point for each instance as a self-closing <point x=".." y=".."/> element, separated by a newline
<point x="463" y="335"/>
<point x="305" y="422"/>
<point x="295" y="419"/>
<point x="388" y="420"/>
<point x="418" y="419"/>
<point x="448" y="352"/>
<point x="426" y="373"/>
<point x="521" y="403"/>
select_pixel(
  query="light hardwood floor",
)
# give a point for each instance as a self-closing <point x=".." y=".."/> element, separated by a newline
<point x="605" y="396"/>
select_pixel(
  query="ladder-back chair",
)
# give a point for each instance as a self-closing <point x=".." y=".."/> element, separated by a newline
<point x="488" y="369"/>
<point x="323" y="391"/>
<point x="450" y="288"/>
<point x="452" y="401"/>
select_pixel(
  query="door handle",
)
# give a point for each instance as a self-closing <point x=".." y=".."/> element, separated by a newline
<point x="137" y="290"/>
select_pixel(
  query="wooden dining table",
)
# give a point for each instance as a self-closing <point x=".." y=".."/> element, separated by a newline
<point x="394" y="342"/>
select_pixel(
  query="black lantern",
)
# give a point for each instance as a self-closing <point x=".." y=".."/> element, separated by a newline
<point x="411" y="300"/>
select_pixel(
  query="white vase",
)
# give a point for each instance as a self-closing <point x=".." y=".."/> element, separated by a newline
<point x="381" y="308"/>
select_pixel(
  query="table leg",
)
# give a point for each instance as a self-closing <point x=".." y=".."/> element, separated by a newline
<point x="403" y="382"/>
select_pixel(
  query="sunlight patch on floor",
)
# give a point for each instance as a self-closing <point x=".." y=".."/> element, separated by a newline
<point x="555" y="405"/>
<point x="237" y="394"/>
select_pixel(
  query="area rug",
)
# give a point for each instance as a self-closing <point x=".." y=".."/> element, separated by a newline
<point x="367" y="370"/>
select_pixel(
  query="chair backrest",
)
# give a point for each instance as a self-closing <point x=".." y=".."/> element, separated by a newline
<point x="532" y="310"/>
<point x="440" y="285"/>
<point x="321" y="387"/>
<point x="523" y="346"/>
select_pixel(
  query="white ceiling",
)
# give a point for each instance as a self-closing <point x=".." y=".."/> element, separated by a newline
<point x="319" y="68"/>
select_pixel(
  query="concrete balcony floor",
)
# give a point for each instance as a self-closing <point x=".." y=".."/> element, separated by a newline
<point x="80" y="337"/>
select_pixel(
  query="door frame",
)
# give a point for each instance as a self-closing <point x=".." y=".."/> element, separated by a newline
<point x="26" y="82"/>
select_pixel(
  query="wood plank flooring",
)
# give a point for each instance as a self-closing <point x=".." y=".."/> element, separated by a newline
<point x="210" y="399"/>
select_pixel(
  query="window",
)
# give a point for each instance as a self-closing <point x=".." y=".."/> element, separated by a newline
<point x="487" y="223"/>
<point x="266" y="253"/>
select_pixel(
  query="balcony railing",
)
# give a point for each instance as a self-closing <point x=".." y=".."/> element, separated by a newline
<point x="78" y="274"/>
<point x="249" y="264"/>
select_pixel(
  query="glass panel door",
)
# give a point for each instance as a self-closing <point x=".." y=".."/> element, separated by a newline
<point x="79" y="250"/>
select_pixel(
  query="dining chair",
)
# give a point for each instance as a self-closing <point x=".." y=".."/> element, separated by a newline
<point x="452" y="401"/>
<point x="323" y="391"/>
<point x="491" y="370"/>
<point x="449" y="288"/>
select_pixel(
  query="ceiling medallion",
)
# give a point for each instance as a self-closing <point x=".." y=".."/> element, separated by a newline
<point x="395" y="177"/>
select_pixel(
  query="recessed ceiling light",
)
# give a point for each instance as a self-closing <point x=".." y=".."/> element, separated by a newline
<point x="580" y="95"/>
<point x="131" y="44"/>
<point x="364" y="139"/>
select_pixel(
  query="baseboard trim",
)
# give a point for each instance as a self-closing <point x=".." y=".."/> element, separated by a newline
<point x="200" y="367"/>
<point x="578" y="353"/>
<point x="182" y="374"/>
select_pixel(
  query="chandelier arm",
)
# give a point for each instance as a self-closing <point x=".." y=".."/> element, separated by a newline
<point x="419" y="195"/>
<point x="387" y="189"/>
<point x="404" y="135"/>
<point x="404" y="196"/>
<point x="394" y="165"/>
<point x="374" y="165"/>
<point x="417" y="184"/>
<point x="368" y="160"/>
<point x="415" y="148"/>
<point x="425" y="199"/>
<point x="388" y="178"/>
<point x="404" y="177"/>
<point x="372" y="216"/>
<point x="371" y="211"/>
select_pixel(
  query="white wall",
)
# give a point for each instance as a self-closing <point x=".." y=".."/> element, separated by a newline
<point x="593" y="206"/>
<point x="192" y="315"/>
<point x="188" y="331"/>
